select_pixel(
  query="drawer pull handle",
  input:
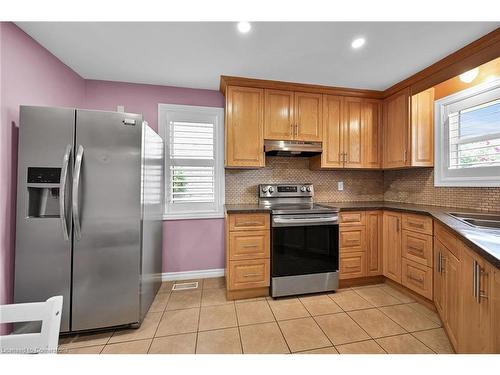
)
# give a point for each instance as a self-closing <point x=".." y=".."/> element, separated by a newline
<point x="351" y="267"/>
<point x="249" y="246"/>
<point x="252" y="274"/>
<point x="417" y="279"/>
<point x="251" y="223"/>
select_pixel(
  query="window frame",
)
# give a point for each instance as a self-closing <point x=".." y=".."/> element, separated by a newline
<point x="466" y="177"/>
<point x="197" y="212"/>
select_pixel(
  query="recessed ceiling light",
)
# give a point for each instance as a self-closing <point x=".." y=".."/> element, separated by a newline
<point x="244" y="27"/>
<point x="469" y="76"/>
<point x="358" y="43"/>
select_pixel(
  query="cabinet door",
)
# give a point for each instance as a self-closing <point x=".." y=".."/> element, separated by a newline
<point x="495" y="310"/>
<point x="392" y="245"/>
<point x="371" y="127"/>
<point x="352" y="133"/>
<point x="452" y="316"/>
<point x="278" y="114"/>
<point x="374" y="243"/>
<point x="244" y="128"/>
<point x="439" y="251"/>
<point x="422" y="129"/>
<point x="396" y="117"/>
<point x="308" y="113"/>
<point x="475" y="333"/>
<point x="331" y="156"/>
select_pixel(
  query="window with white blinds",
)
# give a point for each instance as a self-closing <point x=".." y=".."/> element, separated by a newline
<point x="195" y="161"/>
<point x="468" y="137"/>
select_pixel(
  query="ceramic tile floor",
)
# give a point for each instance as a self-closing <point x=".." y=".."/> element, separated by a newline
<point x="363" y="320"/>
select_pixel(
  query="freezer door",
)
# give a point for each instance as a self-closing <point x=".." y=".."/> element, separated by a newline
<point x="43" y="223"/>
<point x="107" y="219"/>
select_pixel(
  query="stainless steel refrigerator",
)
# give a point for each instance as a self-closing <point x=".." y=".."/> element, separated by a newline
<point x="89" y="214"/>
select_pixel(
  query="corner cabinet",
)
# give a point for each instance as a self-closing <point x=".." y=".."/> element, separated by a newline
<point x="244" y="127"/>
<point x="409" y="129"/>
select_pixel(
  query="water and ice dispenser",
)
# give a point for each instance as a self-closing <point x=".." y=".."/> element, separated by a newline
<point x="43" y="192"/>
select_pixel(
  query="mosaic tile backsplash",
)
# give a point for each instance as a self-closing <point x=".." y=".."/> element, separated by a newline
<point x="417" y="186"/>
<point x="241" y="185"/>
<point x="407" y="186"/>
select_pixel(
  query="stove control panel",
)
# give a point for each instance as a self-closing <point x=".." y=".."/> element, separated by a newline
<point x="286" y="190"/>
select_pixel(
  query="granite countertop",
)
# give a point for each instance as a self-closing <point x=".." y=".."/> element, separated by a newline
<point x="484" y="242"/>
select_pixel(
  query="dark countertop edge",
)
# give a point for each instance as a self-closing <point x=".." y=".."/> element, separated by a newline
<point x="437" y="212"/>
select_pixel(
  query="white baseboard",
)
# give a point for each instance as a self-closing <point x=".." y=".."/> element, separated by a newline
<point x="187" y="275"/>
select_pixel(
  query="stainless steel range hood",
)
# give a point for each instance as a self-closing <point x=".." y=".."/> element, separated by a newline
<point x="292" y="148"/>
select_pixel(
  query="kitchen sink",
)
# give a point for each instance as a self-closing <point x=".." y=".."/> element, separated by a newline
<point x="483" y="221"/>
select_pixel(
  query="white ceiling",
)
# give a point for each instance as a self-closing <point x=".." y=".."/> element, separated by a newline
<point x="195" y="54"/>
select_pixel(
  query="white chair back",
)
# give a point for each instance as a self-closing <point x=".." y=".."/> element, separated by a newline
<point x="45" y="341"/>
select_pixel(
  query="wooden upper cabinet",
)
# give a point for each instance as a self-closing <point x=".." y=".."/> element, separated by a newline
<point x="244" y="127"/>
<point x="352" y="133"/>
<point x="392" y="245"/>
<point x="308" y="114"/>
<point x="396" y="121"/>
<point x="422" y="129"/>
<point x="333" y="107"/>
<point x="278" y="114"/>
<point x="371" y="128"/>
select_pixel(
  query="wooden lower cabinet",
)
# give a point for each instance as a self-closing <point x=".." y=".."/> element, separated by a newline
<point x="360" y="242"/>
<point x="452" y="315"/>
<point x="374" y="243"/>
<point x="392" y="245"/>
<point x="417" y="277"/>
<point x="439" y="291"/>
<point x="476" y="335"/>
<point x="247" y="255"/>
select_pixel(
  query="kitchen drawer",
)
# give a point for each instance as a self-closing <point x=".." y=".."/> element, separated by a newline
<point x="249" y="245"/>
<point x="352" y="239"/>
<point x="417" y="223"/>
<point x="417" y="247"/>
<point x="256" y="221"/>
<point x="447" y="238"/>
<point x="352" y="218"/>
<point x="247" y="274"/>
<point x="417" y="277"/>
<point x="352" y="265"/>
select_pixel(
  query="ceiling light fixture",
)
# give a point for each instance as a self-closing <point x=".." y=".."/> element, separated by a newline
<point x="469" y="76"/>
<point x="358" y="43"/>
<point x="244" y="27"/>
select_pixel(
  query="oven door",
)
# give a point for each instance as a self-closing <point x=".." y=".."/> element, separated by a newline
<point x="304" y="244"/>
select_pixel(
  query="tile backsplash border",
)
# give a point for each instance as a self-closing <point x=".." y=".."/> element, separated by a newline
<point x="414" y="185"/>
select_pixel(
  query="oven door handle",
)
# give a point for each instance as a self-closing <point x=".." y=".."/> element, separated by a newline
<point x="279" y="221"/>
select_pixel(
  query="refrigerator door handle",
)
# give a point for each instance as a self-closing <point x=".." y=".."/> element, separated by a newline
<point x="62" y="192"/>
<point x="76" y="194"/>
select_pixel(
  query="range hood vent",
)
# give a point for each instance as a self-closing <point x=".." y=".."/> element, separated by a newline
<point x="292" y="148"/>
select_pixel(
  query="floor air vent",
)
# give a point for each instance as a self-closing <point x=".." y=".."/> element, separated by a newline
<point x="185" y="286"/>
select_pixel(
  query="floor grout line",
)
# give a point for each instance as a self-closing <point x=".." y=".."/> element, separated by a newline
<point x="277" y="323"/>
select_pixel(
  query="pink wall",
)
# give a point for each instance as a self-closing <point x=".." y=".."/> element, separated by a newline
<point x="29" y="75"/>
<point x="193" y="245"/>
<point x="187" y="244"/>
<point x="107" y="95"/>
